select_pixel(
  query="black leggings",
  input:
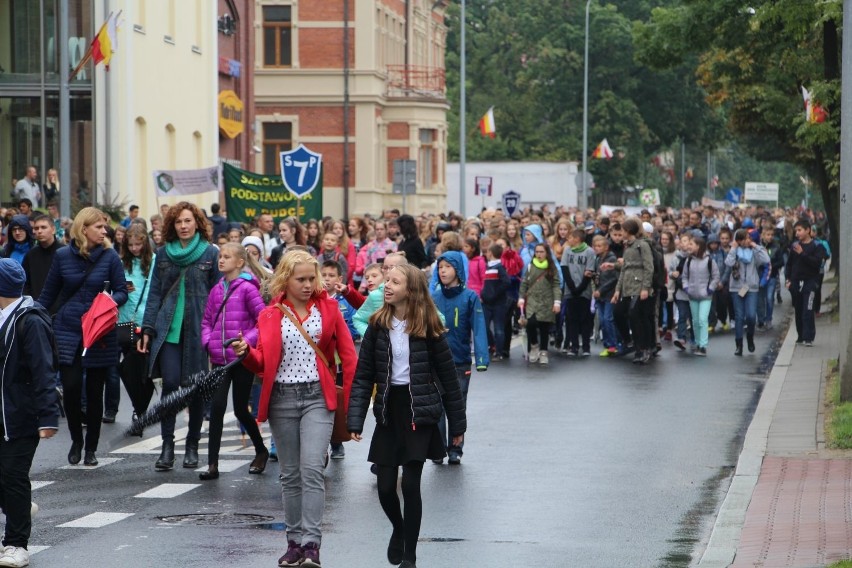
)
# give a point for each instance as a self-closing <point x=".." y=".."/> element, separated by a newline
<point x="72" y="396"/>
<point x="409" y="526"/>
<point x="538" y="333"/>
<point x="243" y="380"/>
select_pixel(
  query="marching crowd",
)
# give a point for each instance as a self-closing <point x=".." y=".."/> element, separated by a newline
<point x="311" y="322"/>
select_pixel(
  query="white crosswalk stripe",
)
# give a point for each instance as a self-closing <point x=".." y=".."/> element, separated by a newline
<point x="167" y="490"/>
<point x="227" y="466"/>
<point x="39" y="484"/>
<point x="95" y="520"/>
<point x="101" y="463"/>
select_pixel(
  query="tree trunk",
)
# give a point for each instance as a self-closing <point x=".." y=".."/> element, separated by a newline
<point x="831" y="202"/>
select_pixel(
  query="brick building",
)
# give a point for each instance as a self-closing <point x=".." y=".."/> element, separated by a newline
<point x="388" y="89"/>
<point x="235" y="23"/>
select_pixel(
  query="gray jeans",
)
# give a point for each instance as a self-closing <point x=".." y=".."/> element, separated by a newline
<point x="301" y="425"/>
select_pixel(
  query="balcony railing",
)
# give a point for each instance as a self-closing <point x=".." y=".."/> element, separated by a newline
<point x="416" y="81"/>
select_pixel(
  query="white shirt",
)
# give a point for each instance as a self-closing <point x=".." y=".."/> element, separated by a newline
<point x="400" y="369"/>
<point x="299" y="361"/>
<point x="6" y="312"/>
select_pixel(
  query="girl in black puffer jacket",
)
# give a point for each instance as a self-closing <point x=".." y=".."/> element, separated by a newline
<point x="406" y="356"/>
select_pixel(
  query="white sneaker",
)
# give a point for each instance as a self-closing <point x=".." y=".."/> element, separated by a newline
<point x="15" y="557"/>
<point x="543" y="359"/>
<point x="534" y="354"/>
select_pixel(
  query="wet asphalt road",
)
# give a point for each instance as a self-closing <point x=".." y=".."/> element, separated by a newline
<point x="590" y="463"/>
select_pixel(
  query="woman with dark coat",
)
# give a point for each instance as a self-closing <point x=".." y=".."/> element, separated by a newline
<point x="406" y="356"/>
<point x="77" y="275"/>
<point x="411" y="244"/>
<point x="186" y="270"/>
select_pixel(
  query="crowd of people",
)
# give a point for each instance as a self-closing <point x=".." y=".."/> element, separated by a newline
<point x="397" y="309"/>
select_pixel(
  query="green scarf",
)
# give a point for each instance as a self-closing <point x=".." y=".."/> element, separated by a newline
<point x="540" y="264"/>
<point x="580" y="248"/>
<point x="183" y="257"/>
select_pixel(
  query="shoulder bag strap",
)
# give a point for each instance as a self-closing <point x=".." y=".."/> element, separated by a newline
<point x="222" y="305"/>
<point x="304" y="333"/>
<point x="89" y="269"/>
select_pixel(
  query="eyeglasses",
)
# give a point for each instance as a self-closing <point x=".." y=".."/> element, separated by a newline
<point x="19" y="229"/>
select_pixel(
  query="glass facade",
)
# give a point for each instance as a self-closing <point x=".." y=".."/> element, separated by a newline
<point x="29" y="92"/>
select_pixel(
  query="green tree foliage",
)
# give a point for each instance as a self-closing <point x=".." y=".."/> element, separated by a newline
<point x="707" y="72"/>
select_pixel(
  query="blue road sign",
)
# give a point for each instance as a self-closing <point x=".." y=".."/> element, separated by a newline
<point x="300" y="170"/>
<point x="734" y="195"/>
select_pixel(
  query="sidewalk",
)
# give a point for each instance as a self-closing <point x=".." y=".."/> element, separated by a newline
<point x="790" y="501"/>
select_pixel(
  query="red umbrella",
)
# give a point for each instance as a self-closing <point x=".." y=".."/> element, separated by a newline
<point x="99" y="320"/>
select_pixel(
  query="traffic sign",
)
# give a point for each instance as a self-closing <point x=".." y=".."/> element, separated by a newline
<point x="404" y="177"/>
<point x="300" y="170"/>
<point x="483" y="186"/>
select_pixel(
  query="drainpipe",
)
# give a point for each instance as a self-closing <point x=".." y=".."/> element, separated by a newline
<point x="346" y="109"/>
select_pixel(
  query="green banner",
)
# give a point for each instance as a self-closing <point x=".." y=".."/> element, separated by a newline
<point x="248" y="195"/>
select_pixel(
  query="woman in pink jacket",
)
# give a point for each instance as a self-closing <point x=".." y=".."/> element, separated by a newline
<point x="476" y="266"/>
<point x="232" y="309"/>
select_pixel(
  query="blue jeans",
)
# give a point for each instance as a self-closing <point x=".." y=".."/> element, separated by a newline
<point x="495" y="323"/>
<point x="171" y="355"/>
<point x="766" y="301"/>
<point x="301" y="425"/>
<point x="463" y="373"/>
<point x="745" y="312"/>
<point x="700" y="310"/>
<point x="684" y="315"/>
<point x="604" y="309"/>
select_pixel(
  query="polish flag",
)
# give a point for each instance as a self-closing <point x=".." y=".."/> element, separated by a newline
<point x="486" y="124"/>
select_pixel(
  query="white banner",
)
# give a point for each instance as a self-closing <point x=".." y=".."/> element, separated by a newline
<point x="761" y="191"/>
<point x="169" y="183"/>
<point x="628" y="210"/>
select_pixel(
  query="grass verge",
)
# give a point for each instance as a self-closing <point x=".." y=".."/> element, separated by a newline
<point x="838" y="415"/>
<point x="841" y="564"/>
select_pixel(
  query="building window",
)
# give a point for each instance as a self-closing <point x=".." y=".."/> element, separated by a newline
<point x="426" y="159"/>
<point x="277" y="36"/>
<point x="277" y="138"/>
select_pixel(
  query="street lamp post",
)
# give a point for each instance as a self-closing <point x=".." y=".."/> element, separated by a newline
<point x="462" y="113"/>
<point x="584" y="192"/>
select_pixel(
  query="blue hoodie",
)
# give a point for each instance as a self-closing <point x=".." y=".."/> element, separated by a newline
<point x="462" y="312"/>
<point x="15" y="250"/>
<point x="528" y="251"/>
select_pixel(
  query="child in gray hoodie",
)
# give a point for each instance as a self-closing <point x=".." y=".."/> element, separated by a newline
<point x="578" y="265"/>
<point x="700" y="279"/>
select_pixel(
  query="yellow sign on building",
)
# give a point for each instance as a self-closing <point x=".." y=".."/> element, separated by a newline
<point x="230" y="114"/>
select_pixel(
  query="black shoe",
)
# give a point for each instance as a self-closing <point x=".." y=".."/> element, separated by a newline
<point x="396" y="547"/>
<point x="701" y="352"/>
<point x="90" y="459"/>
<point x="739" y="351"/>
<point x="74" y="453"/>
<point x="259" y="463"/>
<point x="166" y="461"/>
<point x="750" y="342"/>
<point x="211" y="473"/>
<point x="109" y="418"/>
<point x="190" y="456"/>
<point x="454" y="459"/>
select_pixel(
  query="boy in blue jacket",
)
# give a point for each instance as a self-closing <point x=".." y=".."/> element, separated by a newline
<point x="463" y="315"/>
<point x="30" y="404"/>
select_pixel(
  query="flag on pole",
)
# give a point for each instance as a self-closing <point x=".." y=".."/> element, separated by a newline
<point x="103" y="46"/>
<point x="486" y="124"/>
<point x="814" y="113"/>
<point x="603" y="151"/>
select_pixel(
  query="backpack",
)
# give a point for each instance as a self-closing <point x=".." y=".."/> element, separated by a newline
<point x="658" y="281"/>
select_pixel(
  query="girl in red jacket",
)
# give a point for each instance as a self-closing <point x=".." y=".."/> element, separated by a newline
<point x="298" y="334"/>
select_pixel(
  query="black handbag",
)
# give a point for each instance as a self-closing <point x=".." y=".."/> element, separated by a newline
<point x="128" y="332"/>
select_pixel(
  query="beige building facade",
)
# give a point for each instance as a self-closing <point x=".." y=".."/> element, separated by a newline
<point x="156" y="108"/>
<point x="375" y="66"/>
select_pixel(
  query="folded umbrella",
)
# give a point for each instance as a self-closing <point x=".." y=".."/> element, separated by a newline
<point x="100" y="318"/>
<point x="133" y="371"/>
<point x="202" y="384"/>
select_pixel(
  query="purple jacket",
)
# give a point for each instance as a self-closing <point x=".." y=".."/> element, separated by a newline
<point x="244" y="303"/>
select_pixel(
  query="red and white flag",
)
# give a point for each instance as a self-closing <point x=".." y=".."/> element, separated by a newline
<point x="603" y="151"/>
<point x="486" y="124"/>
<point x="814" y="113"/>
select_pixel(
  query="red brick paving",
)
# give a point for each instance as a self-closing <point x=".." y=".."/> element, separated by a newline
<point x="800" y="515"/>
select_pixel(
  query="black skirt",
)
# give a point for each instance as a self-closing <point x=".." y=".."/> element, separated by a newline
<point x="397" y="444"/>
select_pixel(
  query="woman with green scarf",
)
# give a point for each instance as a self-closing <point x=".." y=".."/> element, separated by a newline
<point x="186" y="270"/>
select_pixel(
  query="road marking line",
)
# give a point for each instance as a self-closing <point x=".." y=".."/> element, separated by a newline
<point x="35" y="549"/>
<point x="227" y="466"/>
<point x="168" y="490"/>
<point x="101" y="463"/>
<point x="95" y="520"/>
<point x="39" y="484"/>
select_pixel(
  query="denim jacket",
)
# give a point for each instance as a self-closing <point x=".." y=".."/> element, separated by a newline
<point x="201" y="276"/>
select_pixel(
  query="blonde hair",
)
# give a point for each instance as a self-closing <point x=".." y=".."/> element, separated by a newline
<point x="87" y="217"/>
<point x="251" y="264"/>
<point x="421" y="315"/>
<point x="286" y="267"/>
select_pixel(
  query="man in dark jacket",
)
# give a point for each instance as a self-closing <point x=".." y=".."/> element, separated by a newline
<point x="802" y="272"/>
<point x="30" y="404"/>
<point x="37" y="262"/>
<point x="220" y="224"/>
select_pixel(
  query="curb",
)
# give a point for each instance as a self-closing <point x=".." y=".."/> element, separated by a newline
<point x="725" y="537"/>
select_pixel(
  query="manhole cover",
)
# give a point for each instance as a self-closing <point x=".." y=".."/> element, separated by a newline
<point x="213" y="519"/>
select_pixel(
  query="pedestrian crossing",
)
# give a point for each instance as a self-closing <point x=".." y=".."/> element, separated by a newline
<point x="95" y="520"/>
